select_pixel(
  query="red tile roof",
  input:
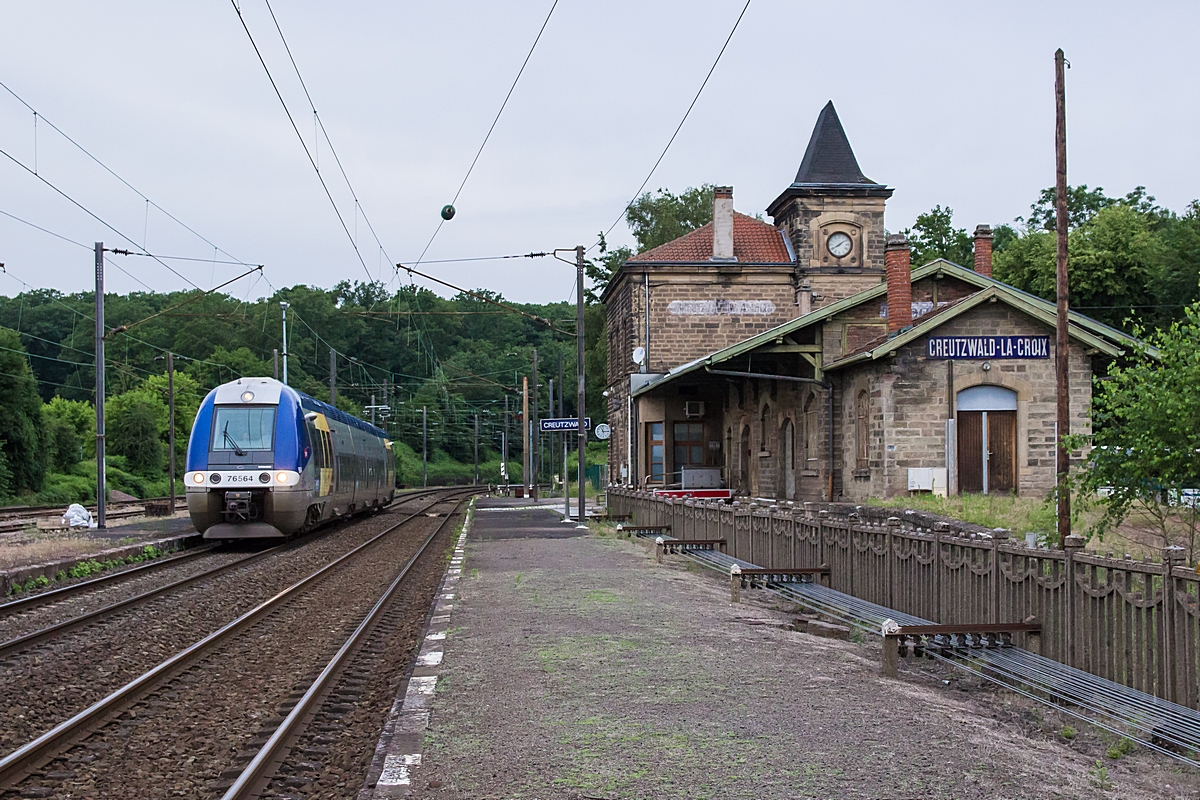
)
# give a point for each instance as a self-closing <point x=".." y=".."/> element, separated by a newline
<point x="754" y="242"/>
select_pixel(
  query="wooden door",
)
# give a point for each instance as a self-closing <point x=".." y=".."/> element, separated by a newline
<point x="970" y="451"/>
<point x="1002" y="451"/>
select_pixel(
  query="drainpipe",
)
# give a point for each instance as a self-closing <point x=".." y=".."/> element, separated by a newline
<point x="826" y="385"/>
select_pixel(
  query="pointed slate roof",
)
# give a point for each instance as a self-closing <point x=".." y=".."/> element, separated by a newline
<point x="829" y="158"/>
<point x="829" y="167"/>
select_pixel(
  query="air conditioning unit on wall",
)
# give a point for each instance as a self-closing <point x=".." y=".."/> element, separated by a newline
<point x="693" y="409"/>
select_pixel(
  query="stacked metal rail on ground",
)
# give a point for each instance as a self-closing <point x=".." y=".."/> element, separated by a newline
<point x="1161" y="725"/>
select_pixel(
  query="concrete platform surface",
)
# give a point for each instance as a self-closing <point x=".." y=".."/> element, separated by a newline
<point x="576" y="667"/>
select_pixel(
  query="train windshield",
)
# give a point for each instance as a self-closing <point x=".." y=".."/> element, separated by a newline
<point x="244" y="428"/>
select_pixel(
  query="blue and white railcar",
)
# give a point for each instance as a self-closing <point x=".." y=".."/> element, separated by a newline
<point x="265" y="460"/>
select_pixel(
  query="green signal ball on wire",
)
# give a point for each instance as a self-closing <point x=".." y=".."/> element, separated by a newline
<point x="447" y="212"/>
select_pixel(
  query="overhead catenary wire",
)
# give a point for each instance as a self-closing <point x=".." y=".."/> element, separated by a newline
<point x="542" y="320"/>
<point x="321" y="123"/>
<point x="91" y="214"/>
<point x="492" y="127"/>
<point x="300" y="136"/>
<point x="678" y="127"/>
<point x="112" y="172"/>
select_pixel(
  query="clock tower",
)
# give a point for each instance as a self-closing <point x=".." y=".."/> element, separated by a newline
<point x="833" y="215"/>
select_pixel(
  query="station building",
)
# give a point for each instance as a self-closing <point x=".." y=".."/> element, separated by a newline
<point x="808" y="359"/>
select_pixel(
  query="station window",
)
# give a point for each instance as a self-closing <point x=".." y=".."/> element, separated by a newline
<point x="654" y="435"/>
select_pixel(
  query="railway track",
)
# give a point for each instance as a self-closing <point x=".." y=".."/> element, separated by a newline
<point x="71" y="591"/>
<point x="16" y="520"/>
<point x="215" y="698"/>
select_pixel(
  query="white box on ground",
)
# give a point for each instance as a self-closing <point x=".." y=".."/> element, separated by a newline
<point x="927" y="479"/>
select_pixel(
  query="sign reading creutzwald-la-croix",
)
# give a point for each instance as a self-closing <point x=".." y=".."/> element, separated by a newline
<point x="988" y="347"/>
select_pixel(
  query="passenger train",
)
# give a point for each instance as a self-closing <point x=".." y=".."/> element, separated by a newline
<point x="267" y="461"/>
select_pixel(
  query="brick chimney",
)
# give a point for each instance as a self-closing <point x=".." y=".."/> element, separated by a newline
<point x="897" y="259"/>
<point x="723" y="224"/>
<point x="983" y="250"/>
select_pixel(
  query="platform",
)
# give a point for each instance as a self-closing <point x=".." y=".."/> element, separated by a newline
<point x="574" y="666"/>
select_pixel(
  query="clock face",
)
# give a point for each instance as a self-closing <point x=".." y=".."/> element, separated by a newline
<point x="839" y="244"/>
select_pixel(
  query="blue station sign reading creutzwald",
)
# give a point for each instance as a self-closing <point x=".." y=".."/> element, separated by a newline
<point x="962" y="347"/>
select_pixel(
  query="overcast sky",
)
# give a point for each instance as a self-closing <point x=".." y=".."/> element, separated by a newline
<point x="948" y="103"/>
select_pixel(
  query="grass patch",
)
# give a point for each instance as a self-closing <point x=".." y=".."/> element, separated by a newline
<point x="85" y="569"/>
<point x="1020" y="515"/>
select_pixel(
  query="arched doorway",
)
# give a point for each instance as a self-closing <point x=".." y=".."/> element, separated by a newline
<point x="787" y="467"/>
<point x="987" y="439"/>
<point x="744" y="483"/>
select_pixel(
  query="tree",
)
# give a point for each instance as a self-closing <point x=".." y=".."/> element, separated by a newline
<point x="135" y="423"/>
<point x="1115" y="261"/>
<point x="20" y="416"/>
<point x="1146" y="416"/>
<point x="81" y="417"/>
<point x="662" y="216"/>
<point x="1082" y="205"/>
<point x="934" y="236"/>
<point x="188" y="396"/>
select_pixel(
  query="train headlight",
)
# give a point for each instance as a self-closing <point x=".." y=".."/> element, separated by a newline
<point x="198" y="477"/>
<point x="282" y="477"/>
<point x="247" y="396"/>
<point x="264" y="477"/>
<point x="215" y="477"/>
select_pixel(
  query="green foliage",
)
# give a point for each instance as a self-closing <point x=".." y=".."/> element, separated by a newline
<point x="659" y="217"/>
<point x="1146" y="416"/>
<point x="934" y="236"/>
<point x="1068" y="732"/>
<point x="1122" y="748"/>
<point x="1130" y="261"/>
<point x="136" y="422"/>
<point x="1099" y="777"/>
<point x="1082" y="205"/>
<point x="20" y="417"/>
<point x="74" y="423"/>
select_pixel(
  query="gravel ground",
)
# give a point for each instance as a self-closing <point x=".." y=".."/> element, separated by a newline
<point x="332" y="758"/>
<point x="209" y="719"/>
<point x="74" y="605"/>
<point x="44" y="685"/>
<point x="577" y="668"/>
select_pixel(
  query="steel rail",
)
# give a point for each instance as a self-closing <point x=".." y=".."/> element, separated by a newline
<point x="258" y="773"/>
<point x="33" y="638"/>
<point x="33" y="601"/>
<point x="41" y="635"/>
<point x="1114" y="707"/>
<point x="18" y="762"/>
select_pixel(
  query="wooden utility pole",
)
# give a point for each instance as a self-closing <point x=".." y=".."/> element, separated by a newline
<point x="476" y="449"/>
<point x="535" y="434"/>
<point x="525" y="460"/>
<point x="1061" y="341"/>
<point x="424" y="447"/>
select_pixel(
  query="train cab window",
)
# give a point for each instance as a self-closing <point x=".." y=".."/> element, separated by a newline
<point x="244" y="428"/>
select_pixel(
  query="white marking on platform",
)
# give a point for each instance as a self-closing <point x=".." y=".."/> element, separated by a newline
<point x="430" y="659"/>
<point x="434" y="637"/>
<point x="422" y="685"/>
<point x="396" y="769"/>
